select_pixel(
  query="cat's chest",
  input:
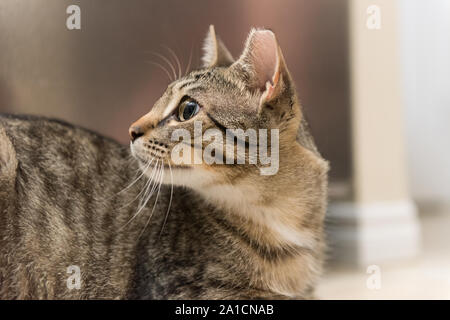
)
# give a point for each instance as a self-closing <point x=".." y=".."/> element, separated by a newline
<point x="188" y="258"/>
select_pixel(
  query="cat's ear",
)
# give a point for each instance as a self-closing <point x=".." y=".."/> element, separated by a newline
<point x="263" y="64"/>
<point x="215" y="54"/>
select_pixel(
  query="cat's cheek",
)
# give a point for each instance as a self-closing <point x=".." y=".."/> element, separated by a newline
<point x="138" y="152"/>
<point x="134" y="148"/>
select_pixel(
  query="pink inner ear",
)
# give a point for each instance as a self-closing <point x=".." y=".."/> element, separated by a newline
<point x="264" y="56"/>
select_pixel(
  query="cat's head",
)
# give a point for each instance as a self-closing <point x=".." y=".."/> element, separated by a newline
<point x="251" y="93"/>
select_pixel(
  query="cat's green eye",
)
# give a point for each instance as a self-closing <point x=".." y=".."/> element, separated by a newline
<point x="187" y="109"/>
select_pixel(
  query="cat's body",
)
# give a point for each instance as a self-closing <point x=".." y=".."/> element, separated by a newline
<point x="59" y="208"/>
<point x="230" y="232"/>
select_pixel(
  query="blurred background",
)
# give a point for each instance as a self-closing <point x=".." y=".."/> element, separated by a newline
<point x="372" y="76"/>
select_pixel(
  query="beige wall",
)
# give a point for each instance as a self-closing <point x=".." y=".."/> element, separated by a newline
<point x="380" y="223"/>
<point x="377" y="109"/>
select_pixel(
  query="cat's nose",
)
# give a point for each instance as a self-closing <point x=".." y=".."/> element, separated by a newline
<point x="135" y="132"/>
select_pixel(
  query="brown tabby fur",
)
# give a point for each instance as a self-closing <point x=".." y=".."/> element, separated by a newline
<point x="230" y="233"/>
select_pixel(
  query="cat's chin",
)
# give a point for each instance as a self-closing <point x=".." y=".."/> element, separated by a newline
<point x="162" y="163"/>
<point x="186" y="176"/>
<point x="172" y="174"/>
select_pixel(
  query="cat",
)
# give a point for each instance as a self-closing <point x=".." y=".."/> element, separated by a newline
<point x="136" y="225"/>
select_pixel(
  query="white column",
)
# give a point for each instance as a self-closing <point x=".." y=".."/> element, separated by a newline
<point x="380" y="223"/>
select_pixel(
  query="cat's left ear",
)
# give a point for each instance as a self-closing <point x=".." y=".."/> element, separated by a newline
<point x="263" y="64"/>
<point x="215" y="54"/>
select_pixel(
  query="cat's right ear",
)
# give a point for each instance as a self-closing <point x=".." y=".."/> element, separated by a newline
<point x="262" y="65"/>
<point x="215" y="54"/>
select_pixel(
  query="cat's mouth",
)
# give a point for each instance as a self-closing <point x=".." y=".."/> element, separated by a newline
<point x="150" y="158"/>
<point x="159" y="162"/>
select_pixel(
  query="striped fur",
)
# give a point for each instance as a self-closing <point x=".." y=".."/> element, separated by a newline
<point x="229" y="233"/>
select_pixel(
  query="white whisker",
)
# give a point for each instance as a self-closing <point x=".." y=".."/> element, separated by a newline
<point x="170" y="200"/>
<point x="162" y="68"/>
<point x="166" y="61"/>
<point x="139" y="194"/>
<point x="189" y="63"/>
<point x="176" y="60"/>
<point x="133" y="182"/>
<point x="156" y="199"/>
<point x="137" y="179"/>
<point x="147" y="196"/>
<point x="146" y="188"/>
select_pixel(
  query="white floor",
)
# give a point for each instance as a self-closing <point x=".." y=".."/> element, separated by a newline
<point x="424" y="277"/>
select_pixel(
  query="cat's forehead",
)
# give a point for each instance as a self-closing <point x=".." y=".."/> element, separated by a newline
<point x="219" y="92"/>
<point x="217" y="80"/>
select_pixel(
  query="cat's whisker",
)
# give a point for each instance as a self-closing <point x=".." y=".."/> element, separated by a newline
<point x="189" y="62"/>
<point x="142" y="203"/>
<point x="148" y="186"/>
<point x="137" y="212"/>
<point x="130" y="160"/>
<point x="150" y="189"/>
<point x="136" y="179"/>
<point x="177" y="60"/>
<point x="144" y="188"/>
<point x="166" y="61"/>
<point x="153" y="188"/>
<point x="156" y="199"/>
<point x="162" y="68"/>
<point x="170" y="199"/>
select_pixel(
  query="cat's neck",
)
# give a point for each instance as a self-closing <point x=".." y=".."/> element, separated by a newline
<point x="272" y="218"/>
<point x="277" y="219"/>
<point x="280" y="216"/>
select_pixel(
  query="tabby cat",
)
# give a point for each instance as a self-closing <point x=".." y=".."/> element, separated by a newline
<point x="139" y="226"/>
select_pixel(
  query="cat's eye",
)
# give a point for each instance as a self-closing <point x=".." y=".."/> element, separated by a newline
<point x="187" y="109"/>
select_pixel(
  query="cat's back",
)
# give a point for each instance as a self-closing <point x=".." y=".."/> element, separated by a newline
<point x="38" y="137"/>
<point x="49" y="157"/>
<point x="59" y="207"/>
